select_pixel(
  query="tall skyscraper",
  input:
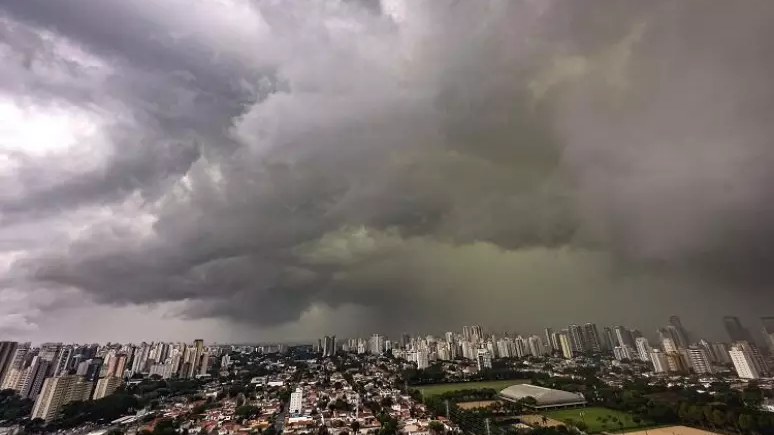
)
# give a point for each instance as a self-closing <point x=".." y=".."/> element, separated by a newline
<point x="36" y="374"/>
<point x="577" y="341"/>
<point x="768" y="331"/>
<point x="57" y="392"/>
<point x="7" y="352"/>
<point x="743" y="360"/>
<point x="484" y="359"/>
<point x="106" y="387"/>
<point x="623" y="336"/>
<point x="643" y="348"/>
<point x="608" y="339"/>
<point x="549" y="339"/>
<point x="536" y="346"/>
<point x="564" y="341"/>
<point x="699" y="360"/>
<point x="680" y="335"/>
<point x="377" y="344"/>
<point x="591" y="337"/>
<point x="735" y="330"/>
<point x="329" y="345"/>
<point x="659" y="360"/>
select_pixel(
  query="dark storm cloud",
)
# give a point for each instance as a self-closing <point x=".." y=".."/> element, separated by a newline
<point x="447" y="167"/>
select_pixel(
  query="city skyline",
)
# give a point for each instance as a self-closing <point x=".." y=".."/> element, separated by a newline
<point x="258" y="170"/>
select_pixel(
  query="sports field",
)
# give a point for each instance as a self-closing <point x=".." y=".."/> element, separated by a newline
<point x="597" y="419"/>
<point x="435" y="389"/>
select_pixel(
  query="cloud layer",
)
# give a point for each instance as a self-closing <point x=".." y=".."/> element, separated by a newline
<point x="286" y="165"/>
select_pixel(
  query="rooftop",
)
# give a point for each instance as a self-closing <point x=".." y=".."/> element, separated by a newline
<point x="544" y="396"/>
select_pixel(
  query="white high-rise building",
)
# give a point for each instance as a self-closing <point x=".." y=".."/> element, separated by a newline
<point x="296" y="401"/>
<point x="483" y="359"/>
<point x="643" y="348"/>
<point x="743" y="362"/>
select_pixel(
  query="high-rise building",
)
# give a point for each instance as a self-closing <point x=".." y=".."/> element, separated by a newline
<point x="623" y="353"/>
<point x="106" y="387"/>
<point x="608" y="339"/>
<point x="679" y="334"/>
<point x="7" y="352"/>
<point x="116" y="366"/>
<point x="669" y="345"/>
<point x="643" y="348"/>
<point x="549" y="339"/>
<point x="57" y="392"/>
<point x="700" y="360"/>
<point x="376" y="345"/>
<point x="659" y="360"/>
<point x="564" y="341"/>
<point x="735" y="330"/>
<point x="576" y="339"/>
<point x="536" y="346"/>
<point x="33" y="381"/>
<point x="483" y="359"/>
<point x="423" y="360"/>
<point x="720" y="350"/>
<point x="742" y="358"/>
<point x="677" y="362"/>
<point x="61" y="365"/>
<point x="466" y="333"/>
<point x="477" y="333"/>
<point x="623" y="336"/>
<point x="768" y="331"/>
<point x="296" y="402"/>
<point x="591" y="337"/>
<point x="329" y="345"/>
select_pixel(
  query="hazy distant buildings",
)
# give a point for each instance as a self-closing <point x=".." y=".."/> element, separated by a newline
<point x="768" y="331"/>
<point x="577" y="342"/>
<point x="736" y="332"/>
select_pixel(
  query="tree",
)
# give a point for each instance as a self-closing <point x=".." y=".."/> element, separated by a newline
<point x="247" y="411"/>
<point x="746" y="422"/>
<point x="436" y="427"/>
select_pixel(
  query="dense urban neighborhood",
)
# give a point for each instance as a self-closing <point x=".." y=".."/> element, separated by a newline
<point x="570" y="381"/>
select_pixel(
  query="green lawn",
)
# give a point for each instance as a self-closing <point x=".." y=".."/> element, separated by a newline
<point x="593" y="416"/>
<point x="435" y="389"/>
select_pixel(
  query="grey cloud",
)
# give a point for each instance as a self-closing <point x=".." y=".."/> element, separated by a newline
<point x="443" y="169"/>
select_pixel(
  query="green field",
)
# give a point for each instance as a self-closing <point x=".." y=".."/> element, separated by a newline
<point x="435" y="389"/>
<point x="593" y="417"/>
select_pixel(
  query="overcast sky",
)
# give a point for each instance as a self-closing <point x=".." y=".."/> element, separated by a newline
<point x="265" y="169"/>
